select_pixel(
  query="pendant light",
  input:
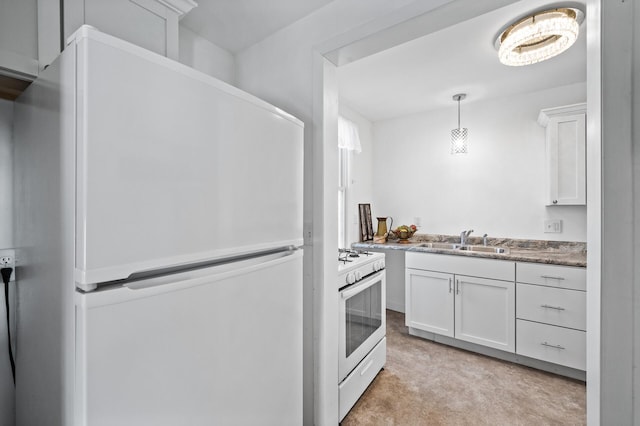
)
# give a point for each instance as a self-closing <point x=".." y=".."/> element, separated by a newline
<point x="460" y="135"/>
<point x="539" y="36"/>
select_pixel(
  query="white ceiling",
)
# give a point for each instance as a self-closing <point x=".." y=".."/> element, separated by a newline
<point x="237" y="24"/>
<point x="425" y="73"/>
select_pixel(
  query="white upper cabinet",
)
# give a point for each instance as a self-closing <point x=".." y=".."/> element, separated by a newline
<point x="152" y="24"/>
<point x="565" y="154"/>
<point x="31" y="36"/>
<point x="18" y="46"/>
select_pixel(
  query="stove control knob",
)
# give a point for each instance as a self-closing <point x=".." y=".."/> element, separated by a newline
<point x="351" y="278"/>
<point x="382" y="264"/>
<point x="358" y="275"/>
<point x="375" y="266"/>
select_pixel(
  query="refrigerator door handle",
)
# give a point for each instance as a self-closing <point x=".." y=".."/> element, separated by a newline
<point x="180" y="281"/>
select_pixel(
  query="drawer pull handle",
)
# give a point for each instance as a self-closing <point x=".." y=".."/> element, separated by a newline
<point x="552" y="277"/>
<point x="457" y="286"/>
<point x="552" y="346"/>
<point x="557" y="308"/>
<point x="367" y="367"/>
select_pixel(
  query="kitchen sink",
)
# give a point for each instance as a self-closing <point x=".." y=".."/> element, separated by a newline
<point x="455" y="246"/>
<point x="485" y="249"/>
<point x="440" y="246"/>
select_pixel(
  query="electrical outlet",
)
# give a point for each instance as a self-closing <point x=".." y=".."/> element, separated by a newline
<point x="8" y="260"/>
<point x="553" y="226"/>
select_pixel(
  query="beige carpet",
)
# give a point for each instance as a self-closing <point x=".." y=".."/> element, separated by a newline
<point x="426" y="383"/>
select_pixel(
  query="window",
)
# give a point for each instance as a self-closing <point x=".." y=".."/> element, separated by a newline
<point x="348" y="142"/>
<point x="343" y="179"/>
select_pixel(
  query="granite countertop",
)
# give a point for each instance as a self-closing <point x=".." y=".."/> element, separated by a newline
<point x="565" y="253"/>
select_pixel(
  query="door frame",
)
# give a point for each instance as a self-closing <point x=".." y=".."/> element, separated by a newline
<point x="609" y="259"/>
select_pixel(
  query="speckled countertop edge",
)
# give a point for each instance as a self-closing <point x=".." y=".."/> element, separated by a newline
<point x="566" y="253"/>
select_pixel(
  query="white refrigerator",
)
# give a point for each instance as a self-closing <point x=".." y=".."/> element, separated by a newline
<point x="158" y="224"/>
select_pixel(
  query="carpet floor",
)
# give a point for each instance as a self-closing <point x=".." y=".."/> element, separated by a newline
<point x="427" y="383"/>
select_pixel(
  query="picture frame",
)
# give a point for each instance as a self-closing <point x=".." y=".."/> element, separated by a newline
<point x="366" y="225"/>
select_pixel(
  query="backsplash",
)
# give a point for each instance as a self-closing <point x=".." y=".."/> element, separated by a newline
<point x="568" y="246"/>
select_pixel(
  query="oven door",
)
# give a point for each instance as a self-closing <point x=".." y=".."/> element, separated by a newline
<point x="362" y="320"/>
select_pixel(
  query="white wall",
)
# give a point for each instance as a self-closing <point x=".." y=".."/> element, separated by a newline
<point x="497" y="188"/>
<point x="280" y="69"/>
<point x="7" y="402"/>
<point x="199" y="53"/>
<point x="360" y="189"/>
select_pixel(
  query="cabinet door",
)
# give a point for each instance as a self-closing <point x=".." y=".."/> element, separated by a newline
<point x="566" y="160"/>
<point x="429" y="301"/>
<point x="485" y="312"/>
<point x="18" y="42"/>
<point x="152" y="24"/>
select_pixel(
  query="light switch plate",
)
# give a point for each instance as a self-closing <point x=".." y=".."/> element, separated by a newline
<point x="553" y="226"/>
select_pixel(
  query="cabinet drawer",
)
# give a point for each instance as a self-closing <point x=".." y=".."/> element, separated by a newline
<point x="552" y="275"/>
<point x="556" y="306"/>
<point x="558" y="345"/>
<point x="462" y="265"/>
<point x="359" y="379"/>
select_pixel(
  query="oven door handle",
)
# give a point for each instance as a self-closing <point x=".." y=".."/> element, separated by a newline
<point x="351" y="291"/>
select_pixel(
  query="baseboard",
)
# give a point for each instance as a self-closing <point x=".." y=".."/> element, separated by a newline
<point x="395" y="306"/>
<point x="505" y="356"/>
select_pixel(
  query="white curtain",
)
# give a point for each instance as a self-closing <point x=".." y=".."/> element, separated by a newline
<point x="348" y="136"/>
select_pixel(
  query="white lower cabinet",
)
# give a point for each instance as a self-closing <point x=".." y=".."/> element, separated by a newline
<point x="485" y="312"/>
<point x="529" y="309"/>
<point x="430" y="306"/>
<point x="554" y="306"/>
<point x="551" y="314"/>
<point x="558" y="345"/>
<point x="465" y="307"/>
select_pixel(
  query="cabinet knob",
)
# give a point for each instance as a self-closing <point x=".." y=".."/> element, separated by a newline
<point x="555" y="201"/>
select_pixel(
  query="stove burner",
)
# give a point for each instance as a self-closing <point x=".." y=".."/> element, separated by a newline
<point x="346" y="255"/>
<point x="343" y="255"/>
<point x="354" y="252"/>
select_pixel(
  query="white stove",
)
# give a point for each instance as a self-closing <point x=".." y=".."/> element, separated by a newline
<point x="362" y="319"/>
<point x="355" y="265"/>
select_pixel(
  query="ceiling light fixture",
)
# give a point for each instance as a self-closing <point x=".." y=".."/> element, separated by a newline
<point x="459" y="136"/>
<point x="539" y="36"/>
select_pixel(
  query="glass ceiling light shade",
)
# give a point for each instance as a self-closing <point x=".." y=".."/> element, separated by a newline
<point x="459" y="136"/>
<point x="539" y="36"/>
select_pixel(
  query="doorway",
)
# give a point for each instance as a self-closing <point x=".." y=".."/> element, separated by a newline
<point x="352" y="47"/>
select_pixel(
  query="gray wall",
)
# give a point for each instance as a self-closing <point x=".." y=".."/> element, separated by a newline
<point x="7" y="402"/>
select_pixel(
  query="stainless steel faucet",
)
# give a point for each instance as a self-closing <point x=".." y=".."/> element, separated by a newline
<point x="464" y="235"/>
<point x="484" y="240"/>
